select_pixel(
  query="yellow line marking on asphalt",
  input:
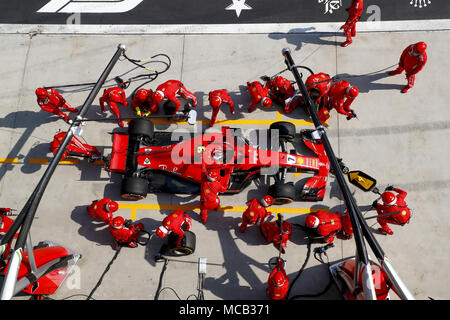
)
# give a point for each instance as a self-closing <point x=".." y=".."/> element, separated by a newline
<point x="242" y="122"/>
<point x="135" y="206"/>
<point x="9" y="160"/>
<point x="278" y="116"/>
<point x="46" y="161"/>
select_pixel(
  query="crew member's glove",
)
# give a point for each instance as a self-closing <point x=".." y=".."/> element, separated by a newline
<point x="389" y="188"/>
<point x="375" y="204"/>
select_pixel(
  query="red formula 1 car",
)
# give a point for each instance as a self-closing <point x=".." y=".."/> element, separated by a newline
<point x="150" y="165"/>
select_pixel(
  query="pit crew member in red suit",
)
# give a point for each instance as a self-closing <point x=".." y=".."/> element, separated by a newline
<point x="212" y="184"/>
<point x="216" y="98"/>
<point x="392" y="202"/>
<point x="327" y="224"/>
<point x="75" y="146"/>
<point x="143" y="103"/>
<point x="51" y="101"/>
<point x="354" y="14"/>
<point x="340" y="97"/>
<point x="103" y="209"/>
<point x="112" y="97"/>
<point x="347" y="229"/>
<point x="278" y="283"/>
<point x="258" y="94"/>
<point x="175" y="223"/>
<point x="318" y="86"/>
<point x="170" y="89"/>
<point x="278" y="232"/>
<point x="412" y="60"/>
<point x="124" y="232"/>
<point x="281" y="89"/>
<point x="256" y="211"/>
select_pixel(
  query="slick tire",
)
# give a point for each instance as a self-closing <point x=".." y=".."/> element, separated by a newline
<point x="134" y="188"/>
<point x="286" y="130"/>
<point x="141" y="127"/>
<point x="187" y="244"/>
<point x="282" y="193"/>
<point x="169" y="107"/>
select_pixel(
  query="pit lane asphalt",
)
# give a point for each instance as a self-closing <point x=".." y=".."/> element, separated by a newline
<point x="399" y="139"/>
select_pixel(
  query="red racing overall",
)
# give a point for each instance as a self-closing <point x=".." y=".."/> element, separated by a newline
<point x="258" y="94"/>
<point x="143" y="103"/>
<point x="216" y="98"/>
<point x="170" y="89"/>
<point x="112" y="97"/>
<point x="51" y="101"/>
<point x="175" y="223"/>
<point x="124" y="232"/>
<point x="340" y="97"/>
<point x="400" y="218"/>
<point x="412" y="60"/>
<point x="254" y="213"/>
<point x="278" y="283"/>
<point x="354" y="14"/>
<point x="102" y="209"/>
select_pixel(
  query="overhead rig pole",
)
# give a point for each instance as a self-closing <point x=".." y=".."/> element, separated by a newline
<point x="26" y="216"/>
<point x="363" y="263"/>
<point x="359" y="224"/>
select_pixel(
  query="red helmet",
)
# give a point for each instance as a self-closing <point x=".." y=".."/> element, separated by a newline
<point x="352" y="91"/>
<point x="115" y="96"/>
<point x="141" y="94"/>
<point x="41" y="92"/>
<point x="420" y="47"/>
<point x="112" y="206"/>
<point x="266" y="102"/>
<point x="267" y="201"/>
<point x="312" y="221"/>
<point x="159" y="96"/>
<point x="212" y="175"/>
<point x="279" y="81"/>
<point x="388" y="198"/>
<point x="118" y="222"/>
<point x="215" y="101"/>
<point x="161" y="232"/>
<point x="279" y="279"/>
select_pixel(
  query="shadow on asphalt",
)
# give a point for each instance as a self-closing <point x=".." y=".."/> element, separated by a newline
<point x="298" y="38"/>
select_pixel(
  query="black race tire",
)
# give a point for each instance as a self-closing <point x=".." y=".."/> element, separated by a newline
<point x="134" y="188"/>
<point x="282" y="193"/>
<point x="169" y="107"/>
<point x="187" y="244"/>
<point x="286" y="129"/>
<point x="141" y="127"/>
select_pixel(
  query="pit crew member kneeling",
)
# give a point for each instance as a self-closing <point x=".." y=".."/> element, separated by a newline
<point x="124" y="232"/>
<point x="175" y="223"/>
<point x="278" y="232"/>
<point x="394" y="209"/>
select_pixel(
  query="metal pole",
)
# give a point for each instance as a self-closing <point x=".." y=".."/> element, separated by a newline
<point x="353" y="214"/>
<point x="33" y="202"/>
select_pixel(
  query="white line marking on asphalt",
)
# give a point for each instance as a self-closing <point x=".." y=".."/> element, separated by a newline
<point x="89" y="6"/>
<point x="292" y="28"/>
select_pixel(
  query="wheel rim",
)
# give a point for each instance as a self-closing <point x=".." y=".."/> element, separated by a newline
<point x="281" y="201"/>
<point x="181" y="251"/>
<point x="132" y="196"/>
